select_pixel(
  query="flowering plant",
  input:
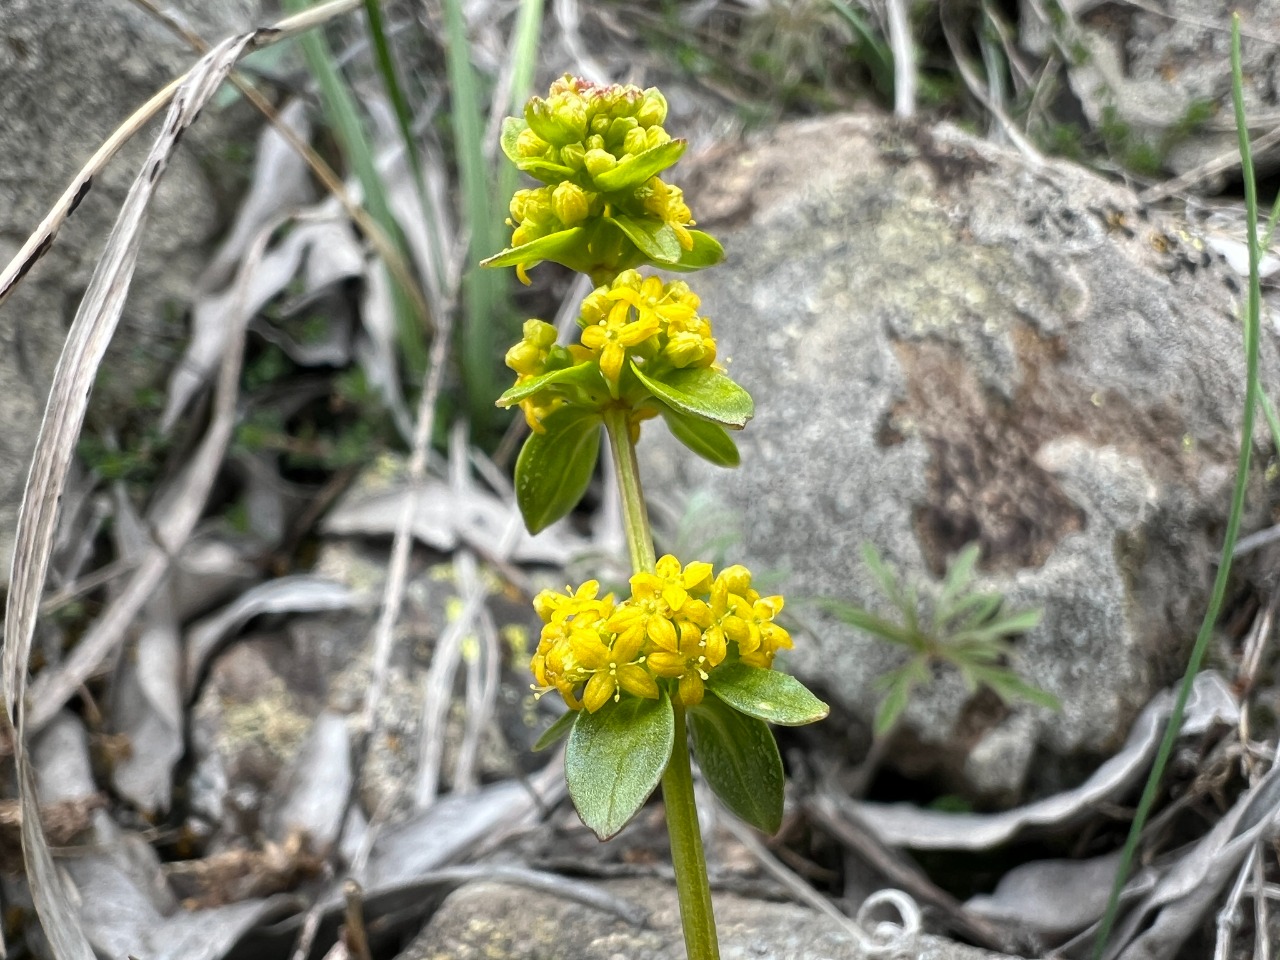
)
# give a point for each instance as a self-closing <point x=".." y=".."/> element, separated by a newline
<point x="689" y="653"/>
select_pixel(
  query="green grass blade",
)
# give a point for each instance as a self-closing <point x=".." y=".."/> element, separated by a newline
<point x="1269" y="411"/>
<point x="386" y="64"/>
<point x="1251" y="334"/>
<point x="487" y="314"/>
<point x="348" y="127"/>
<point x="524" y="61"/>
<point x="384" y="60"/>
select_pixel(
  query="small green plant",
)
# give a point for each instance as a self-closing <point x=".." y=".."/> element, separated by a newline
<point x="689" y="653"/>
<point x="960" y="627"/>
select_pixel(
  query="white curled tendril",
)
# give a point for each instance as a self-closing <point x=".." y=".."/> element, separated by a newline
<point x="884" y="938"/>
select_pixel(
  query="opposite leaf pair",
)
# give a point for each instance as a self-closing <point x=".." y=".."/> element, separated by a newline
<point x="616" y="757"/>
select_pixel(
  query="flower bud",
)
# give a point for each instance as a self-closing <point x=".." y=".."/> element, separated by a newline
<point x="737" y="578"/>
<point x="631" y="279"/>
<point x="570" y="115"/>
<point x="529" y="144"/>
<point x="600" y="124"/>
<point x="571" y="203"/>
<point x="618" y="129"/>
<point x="690" y="350"/>
<point x="599" y="161"/>
<point x="653" y="108"/>
<point x="538" y="332"/>
<point x="525" y="359"/>
<point x="595" y="307"/>
<point x="571" y="155"/>
<point x="656" y="137"/>
<point x="558" y="123"/>
<point x="636" y="141"/>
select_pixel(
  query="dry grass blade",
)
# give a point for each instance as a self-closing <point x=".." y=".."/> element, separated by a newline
<point x="91" y="331"/>
<point x="947" y="14"/>
<point x="174" y="516"/>
<point x="41" y="241"/>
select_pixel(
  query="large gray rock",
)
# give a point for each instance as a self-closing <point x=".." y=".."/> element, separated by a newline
<point x="70" y="72"/>
<point x="495" y="921"/>
<point x="948" y="344"/>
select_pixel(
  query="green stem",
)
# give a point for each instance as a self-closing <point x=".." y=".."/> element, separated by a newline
<point x="686" y="851"/>
<point x="677" y="782"/>
<point x="635" y="518"/>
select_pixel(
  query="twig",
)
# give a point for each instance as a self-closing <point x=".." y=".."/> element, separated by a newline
<point x="1228" y="916"/>
<point x="307" y="935"/>
<point x="438" y="685"/>
<point x="796" y="885"/>
<point x="1251" y="657"/>
<point x="975" y="86"/>
<point x="847" y="827"/>
<point x="90" y="581"/>
<point x="1223" y="163"/>
<point x="356" y="937"/>
<point x="1261" y="924"/>
<point x="1258" y="540"/>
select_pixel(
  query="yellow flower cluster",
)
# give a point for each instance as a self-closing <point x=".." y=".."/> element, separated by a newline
<point x="649" y="319"/>
<point x="641" y="317"/>
<point x="580" y="132"/>
<point x="676" y="628"/>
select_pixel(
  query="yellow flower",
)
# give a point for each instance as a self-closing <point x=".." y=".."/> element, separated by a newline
<point x="688" y="663"/>
<point x="666" y="202"/>
<point x="613" y="668"/>
<point x="612" y="335"/>
<point x="644" y="615"/>
<point x="674" y="583"/>
<point x="672" y="632"/>
<point x="650" y="298"/>
<point x="552" y="606"/>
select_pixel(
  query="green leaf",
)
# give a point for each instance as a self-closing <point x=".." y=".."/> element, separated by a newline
<point x="1008" y="686"/>
<point x="512" y="127"/>
<point x="545" y="170"/>
<point x="635" y="170"/>
<point x="975" y="608"/>
<point x="554" y="246"/>
<point x="706" y="252"/>
<point x="557" y="731"/>
<point x="872" y="560"/>
<point x="554" y="468"/>
<point x="740" y="760"/>
<point x="704" y="393"/>
<point x="708" y="440"/>
<point x="767" y="695"/>
<point x="653" y="238"/>
<point x="616" y="757"/>
<point x="869" y="622"/>
<point x="958" y="578"/>
<point x="894" y="703"/>
<point x="1005" y="626"/>
<point x="585" y="375"/>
